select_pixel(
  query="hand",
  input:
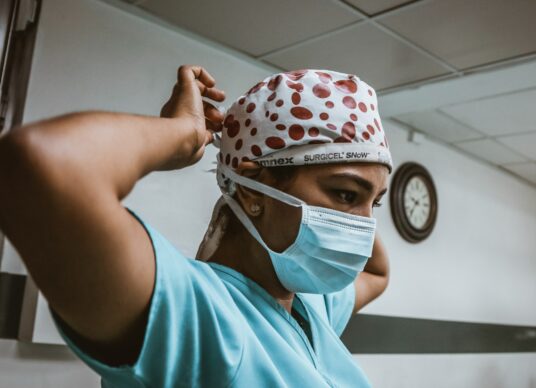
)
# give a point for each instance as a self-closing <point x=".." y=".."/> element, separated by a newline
<point x="198" y="118"/>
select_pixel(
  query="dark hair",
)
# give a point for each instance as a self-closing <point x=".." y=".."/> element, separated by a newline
<point x="283" y="176"/>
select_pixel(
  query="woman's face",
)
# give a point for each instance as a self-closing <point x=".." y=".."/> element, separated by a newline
<point x="354" y="188"/>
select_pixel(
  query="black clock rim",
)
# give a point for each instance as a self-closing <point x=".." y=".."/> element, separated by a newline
<point x="404" y="173"/>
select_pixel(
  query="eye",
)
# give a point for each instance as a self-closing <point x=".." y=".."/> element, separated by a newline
<point x="377" y="204"/>
<point x="345" y="195"/>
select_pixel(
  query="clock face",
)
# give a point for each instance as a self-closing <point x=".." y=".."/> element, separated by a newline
<point x="417" y="202"/>
<point x="413" y="201"/>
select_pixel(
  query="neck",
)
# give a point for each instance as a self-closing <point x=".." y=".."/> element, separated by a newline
<point x="241" y="252"/>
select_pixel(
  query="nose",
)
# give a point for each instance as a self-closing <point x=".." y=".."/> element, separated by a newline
<point x="365" y="211"/>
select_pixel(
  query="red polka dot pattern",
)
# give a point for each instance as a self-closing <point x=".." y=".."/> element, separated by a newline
<point x="296" y="74"/>
<point x="313" y="132"/>
<point x="256" y="88"/>
<point x="324" y="77"/>
<point x="274" y="82"/>
<point x="250" y="108"/>
<point x="302" y="107"/>
<point x="275" y="142"/>
<point x="346" y="86"/>
<point x="349" y="102"/>
<point x="296" y="86"/>
<point x="296" y="132"/>
<point x="256" y="150"/>
<point x="232" y="125"/>
<point x="238" y="144"/>
<point x="321" y="91"/>
<point x="331" y="126"/>
<point x="301" y="113"/>
<point x="348" y="130"/>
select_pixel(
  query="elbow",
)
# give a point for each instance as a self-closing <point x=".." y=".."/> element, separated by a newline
<point x="16" y="148"/>
<point x="21" y="156"/>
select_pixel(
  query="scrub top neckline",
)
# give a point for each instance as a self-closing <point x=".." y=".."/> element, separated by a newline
<point x="251" y="284"/>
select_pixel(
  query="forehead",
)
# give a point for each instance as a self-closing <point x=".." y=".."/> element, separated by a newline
<point x="375" y="173"/>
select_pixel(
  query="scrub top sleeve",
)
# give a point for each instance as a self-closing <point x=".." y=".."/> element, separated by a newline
<point x="339" y="307"/>
<point x="193" y="335"/>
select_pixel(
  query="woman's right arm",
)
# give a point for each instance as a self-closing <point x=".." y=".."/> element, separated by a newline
<point x="61" y="183"/>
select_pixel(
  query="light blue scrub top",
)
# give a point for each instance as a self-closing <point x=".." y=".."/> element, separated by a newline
<point x="211" y="326"/>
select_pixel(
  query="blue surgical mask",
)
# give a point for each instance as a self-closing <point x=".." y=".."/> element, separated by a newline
<point x="331" y="247"/>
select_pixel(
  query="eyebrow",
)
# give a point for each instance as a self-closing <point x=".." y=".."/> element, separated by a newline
<point x="366" y="184"/>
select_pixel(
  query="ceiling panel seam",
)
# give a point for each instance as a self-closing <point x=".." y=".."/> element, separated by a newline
<point x="455" y="143"/>
<point x="373" y="21"/>
<point x="310" y="39"/>
<point x="501" y="63"/>
<point x="459" y="122"/>
<point x="453" y="147"/>
<point x="490" y="97"/>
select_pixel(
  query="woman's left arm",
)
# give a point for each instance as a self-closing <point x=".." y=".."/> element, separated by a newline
<point x="375" y="276"/>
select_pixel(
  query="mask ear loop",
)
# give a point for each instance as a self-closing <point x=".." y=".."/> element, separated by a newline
<point x="257" y="186"/>
<point x="261" y="187"/>
<point x="248" y="224"/>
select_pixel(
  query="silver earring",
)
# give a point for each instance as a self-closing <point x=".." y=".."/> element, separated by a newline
<point x="255" y="208"/>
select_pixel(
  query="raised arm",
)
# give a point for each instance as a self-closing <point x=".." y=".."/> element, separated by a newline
<point x="61" y="183"/>
<point x="374" y="279"/>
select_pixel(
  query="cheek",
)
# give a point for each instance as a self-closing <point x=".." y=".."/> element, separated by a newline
<point x="281" y="224"/>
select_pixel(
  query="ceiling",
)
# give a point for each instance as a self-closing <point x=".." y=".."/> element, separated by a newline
<point x="496" y="125"/>
<point x="395" y="46"/>
<point x="499" y="129"/>
<point x="422" y="40"/>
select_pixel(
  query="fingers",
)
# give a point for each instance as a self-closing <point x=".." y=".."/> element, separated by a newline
<point x="212" y="113"/>
<point x="192" y="72"/>
<point x="189" y="74"/>
<point x="212" y="93"/>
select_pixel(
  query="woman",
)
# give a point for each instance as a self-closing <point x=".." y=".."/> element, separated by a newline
<point x="277" y="281"/>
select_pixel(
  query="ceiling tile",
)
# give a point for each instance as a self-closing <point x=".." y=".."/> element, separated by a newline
<point x="499" y="115"/>
<point x="372" y="7"/>
<point x="491" y="151"/>
<point x="524" y="144"/>
<point x="254" y="26"/>
<point x="524" y="170"/>
<point x="439" y="125"/>
<point x="470" y="33"/>
<point x="364" y="50"/>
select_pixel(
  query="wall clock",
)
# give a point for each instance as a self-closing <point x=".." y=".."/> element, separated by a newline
<point x="413" y="202"/>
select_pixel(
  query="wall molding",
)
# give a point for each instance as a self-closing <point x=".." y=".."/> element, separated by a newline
<point x="380" y="334"/>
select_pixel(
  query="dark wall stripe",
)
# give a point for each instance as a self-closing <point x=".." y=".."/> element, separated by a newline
<point x="371" y="334"/>
<point x="11" y="295"/>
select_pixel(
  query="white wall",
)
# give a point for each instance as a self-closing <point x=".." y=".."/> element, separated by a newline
<point x="478" y="265"/>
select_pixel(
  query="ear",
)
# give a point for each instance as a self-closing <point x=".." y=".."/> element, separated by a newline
<point x="252" y="201"/>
